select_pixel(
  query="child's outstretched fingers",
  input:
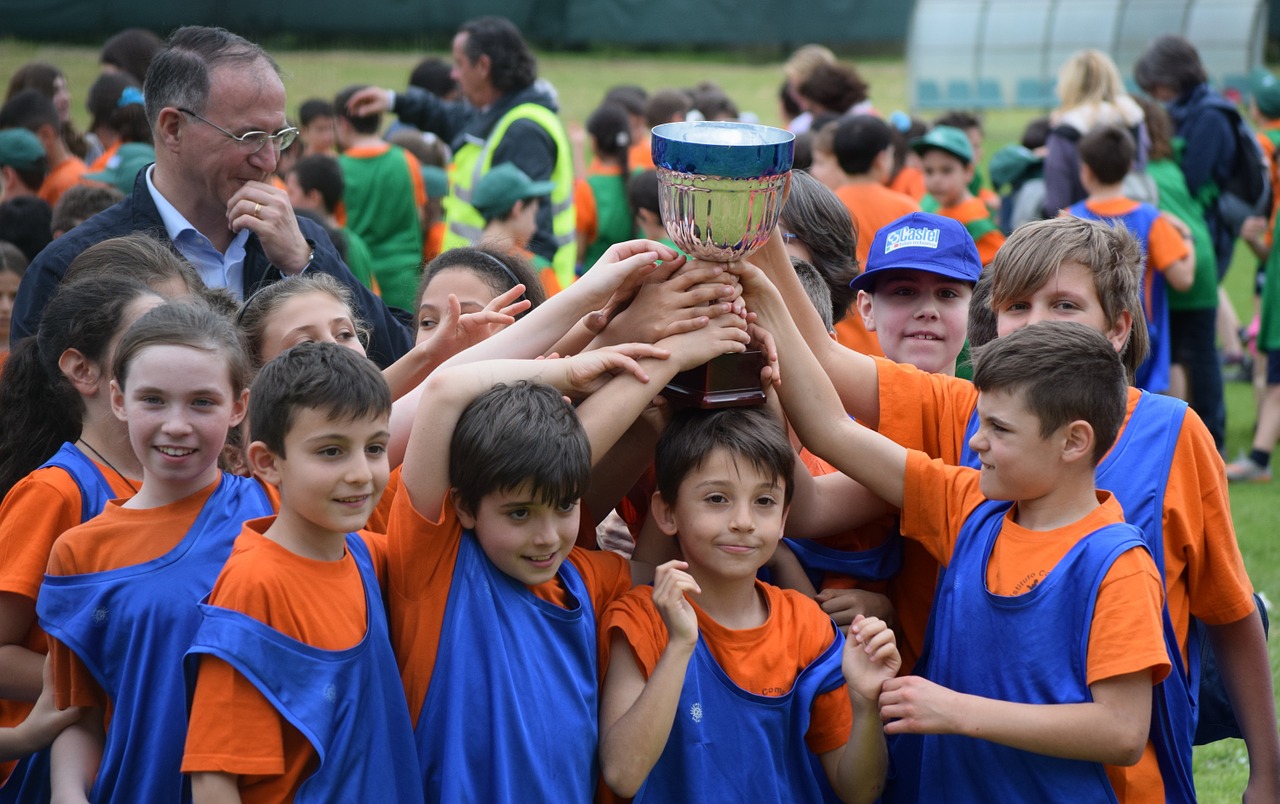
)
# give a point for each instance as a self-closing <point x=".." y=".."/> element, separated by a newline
<point x="510" y="303"/>
<point x="771" y="374"/>
<point x="670" y="585"/>
<point x="588" y="369"/>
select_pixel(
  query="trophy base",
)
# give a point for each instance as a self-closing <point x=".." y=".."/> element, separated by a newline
<point x="728" y="381"/>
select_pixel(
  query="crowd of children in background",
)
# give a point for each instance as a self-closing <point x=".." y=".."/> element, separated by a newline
<point x="238" y="562"/>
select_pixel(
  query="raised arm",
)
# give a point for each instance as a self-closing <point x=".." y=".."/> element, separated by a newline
<point x="854" y="374"/>
<point x="814" y="408"/>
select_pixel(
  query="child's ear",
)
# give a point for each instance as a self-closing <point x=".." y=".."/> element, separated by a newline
<point x="866" y="310"/>
<point x="240" y="407"/>
<point x="1078" y="442"/>
<point x="663" y="515"/>
<point x="263" y="462"/>
<point x="1119" y="332"/>
<point x="117" y="400"/>
<point x="83" y="374"/>
<point x="466" y="517"/>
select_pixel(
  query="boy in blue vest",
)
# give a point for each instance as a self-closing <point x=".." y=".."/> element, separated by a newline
<point x="711" y="665"/>
<point x="297" y="694"/>
<point x="1024" y="694"/>
<point x="1106" y="153"/>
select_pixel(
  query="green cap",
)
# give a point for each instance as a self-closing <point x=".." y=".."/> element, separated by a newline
<point x="504" y="185"/>
<point x="1012" y="162"/>
<point x="945" y="138"/>
<point x="122" y="169"/>
<point x="1266" y="92"/>
<point x="20" y="148"/>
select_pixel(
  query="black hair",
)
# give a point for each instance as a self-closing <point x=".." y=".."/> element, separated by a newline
<point x="957" y="118"/>
<point x="610" y="130"/>
<point x="518" y="434"/>
<point x="324" y="173"/>
<point x="512" y="66"/>
<point x="642" y="192"/>
<point x="39" y="408"/>
<point x="131" y="51"/>
<point x="1169" y="61"/>
<point x="1108" y="152"/>
<point x="32" y="177"/>
<point x="501" y="271"/>
<point x="26" y="221"/>
<point x="1036" y="133"/>
<point x="435" y="75"/>
<point x="363" y="124"/>
<point x="665" y="105"/>
<point x="858" y="140"/>
<point x="753" y="434"/>
<point x="326" y="377"/>
<point x="631" y="97"/>
<point x="29" y="109"/>
<point x="313" y="108"/>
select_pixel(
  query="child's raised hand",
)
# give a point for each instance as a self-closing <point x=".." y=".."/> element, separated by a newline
<point x="915" y="705"/>
<point x="670" y="585"/>
<point x="620" y="271"/>
<point x="671" y="302"/>
<point x="755" y="283"/>
<point x="589" y="370"/>
<point x="725" y="333"/>
<point x="870" y="657"/>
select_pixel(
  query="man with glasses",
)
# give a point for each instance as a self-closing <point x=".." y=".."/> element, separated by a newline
<point x="216" y="106"/>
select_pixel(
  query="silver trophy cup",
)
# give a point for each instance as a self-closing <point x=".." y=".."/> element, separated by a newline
<point x="720" y="191"/>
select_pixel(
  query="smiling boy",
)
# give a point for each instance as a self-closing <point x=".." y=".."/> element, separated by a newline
<point x="295" y="622"/>
<point x="711" y="666"/>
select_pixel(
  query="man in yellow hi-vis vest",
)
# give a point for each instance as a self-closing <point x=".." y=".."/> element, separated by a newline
<point x="507" y="116"/>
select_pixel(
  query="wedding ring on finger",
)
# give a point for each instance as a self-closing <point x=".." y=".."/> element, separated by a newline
<point x="257" y="207"/>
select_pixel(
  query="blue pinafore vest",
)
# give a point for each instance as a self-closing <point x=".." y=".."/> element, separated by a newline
<point x="131" y="625"/>
<point x="1153" y="374"/>
<point x="29" y="782"/>
<point x="1032" y="648"/>
<point x="349" y="703"/>
<point x="1136" y="471"/>
<point x="512" y="710"/>
<point x="879" y="563"/>
<point x="728" y="744"/>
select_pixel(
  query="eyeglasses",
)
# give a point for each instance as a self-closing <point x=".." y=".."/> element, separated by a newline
<point x="252" y="141"/>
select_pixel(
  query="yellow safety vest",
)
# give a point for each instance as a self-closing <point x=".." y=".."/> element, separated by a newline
<point x="473" y="160"/>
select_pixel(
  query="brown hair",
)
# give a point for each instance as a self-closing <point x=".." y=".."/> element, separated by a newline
<point x="256" y="311"/>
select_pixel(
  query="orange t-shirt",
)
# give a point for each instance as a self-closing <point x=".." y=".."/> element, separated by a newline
<point x="1126" y="634"/>
<point x="764" y="660"/>
<point x="584" y="204"/>
<point x="37" y="510"/>
<point x="640" y="156"/>
<point x="100" y="164"/>
<point x="909" y="182"/>
<point x="382" y="514"/>
<point x="233" y="728"/>
<point x="62" y="178"/>
<point x="1204" y="572"/>
<point x="433" y="243"/>
<point x="975" y="209"/>
<point x="421" y="556"/>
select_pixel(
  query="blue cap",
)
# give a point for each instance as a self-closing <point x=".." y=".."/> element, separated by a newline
<point x="922" y="241"/>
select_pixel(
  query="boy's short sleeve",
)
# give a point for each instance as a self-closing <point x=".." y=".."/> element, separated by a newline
<point x="1165" y="244"/>
<point x="377" y="544"/>
<point x="635" y="619"/>
<point x="35" y="512"/>
<point x="249" y="744"/>
<point x="1127" y="634"/>
<point x="924" y="411"/>
<point x="936" y="500"/>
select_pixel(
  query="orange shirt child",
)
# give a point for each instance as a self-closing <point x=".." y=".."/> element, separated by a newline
<point x="976" y="217"/>
<point x="62" y="178"/>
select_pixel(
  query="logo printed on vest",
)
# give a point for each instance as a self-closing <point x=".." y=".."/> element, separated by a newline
<point x="695" y="712"/>
<point x="330" y="694"/>
<point x="99" y="616"/>
<point x="911" y="236"/>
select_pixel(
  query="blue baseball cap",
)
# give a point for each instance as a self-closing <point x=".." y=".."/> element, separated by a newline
<point x="922" y="241"/>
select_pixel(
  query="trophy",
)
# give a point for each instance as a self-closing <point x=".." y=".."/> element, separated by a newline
<point x="720" y="192"/>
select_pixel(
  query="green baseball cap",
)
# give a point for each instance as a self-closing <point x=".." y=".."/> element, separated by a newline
<point x="1266" y="92"/>
<point x="503" y="186"/>
<point x="20" y="148"/>
<point x="945" y="138"/>
<point x="122" y="169"/>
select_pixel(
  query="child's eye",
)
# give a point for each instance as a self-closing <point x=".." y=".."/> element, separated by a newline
<point x="948" y="293"/>
<point x="376" y="449"/>
<point x="329" y="452"/>
<point x="567" y="508"/>
<point x="346" y="335"/>
<point x="766" y="500"/>
<point x="904" y="291"/>
<point x="717" y="499"/>
<point x="518" y="514"/>
<point x="1066" y="305"/>
<point x="427" y="323"/>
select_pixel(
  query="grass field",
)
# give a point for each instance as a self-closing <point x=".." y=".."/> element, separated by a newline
<point x="1221" y="769"/>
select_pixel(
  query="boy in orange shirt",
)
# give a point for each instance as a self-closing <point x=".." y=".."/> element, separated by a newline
<point x="947" y="159"/>
<point x="1030" y="526"/>
<point x="863" y="147"/>
<point x="1106" y="153"/>
<point x="297" y="686"/>
<point x="1076" y="270"/>
<point x="710" y="664"/>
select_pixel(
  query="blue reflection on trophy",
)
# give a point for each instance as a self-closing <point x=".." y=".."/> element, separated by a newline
<point x="720" y="188"/>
